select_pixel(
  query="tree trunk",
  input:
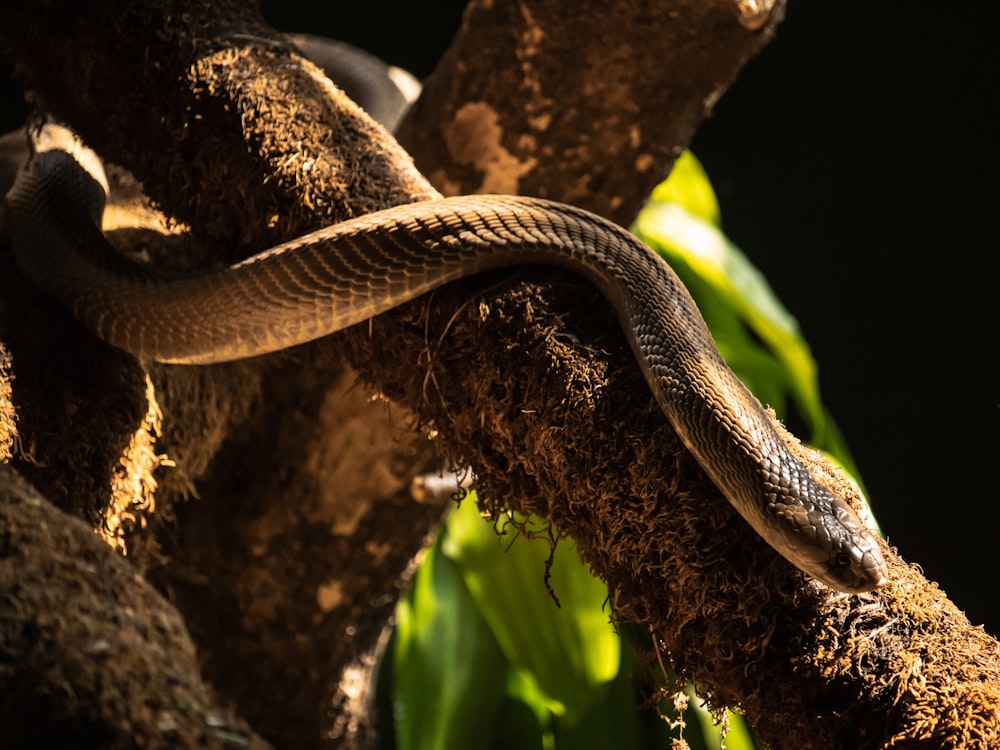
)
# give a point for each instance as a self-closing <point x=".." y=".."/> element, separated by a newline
<point x="287" y="566"/>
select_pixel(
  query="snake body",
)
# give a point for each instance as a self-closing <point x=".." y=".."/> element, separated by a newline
<point x="344" y="274"/>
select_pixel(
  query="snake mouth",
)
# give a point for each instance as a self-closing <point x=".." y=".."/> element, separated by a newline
<point x="856" y="573"/>
<point x="851" y="568"/>
<point x="849" y="578"/>
<point x="828" y="541"/>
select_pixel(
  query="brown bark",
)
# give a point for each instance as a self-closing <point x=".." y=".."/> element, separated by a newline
<point x="289" y="564"/>
<point x="561" y="99"/>
<point x="89" y="631"/>
<point x="530" y="383"/>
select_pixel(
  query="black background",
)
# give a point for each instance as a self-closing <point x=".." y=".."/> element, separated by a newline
<point x="856" y="161"/>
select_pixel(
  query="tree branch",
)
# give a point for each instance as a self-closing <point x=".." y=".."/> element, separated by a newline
<point x="305" y="525"/>
<point x="585" y="102"/>
<point x="102" y="659"/>
<point x="530" y="383"/>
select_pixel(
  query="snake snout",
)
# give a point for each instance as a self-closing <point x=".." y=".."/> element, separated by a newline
<point x="830" y="543"/>
<point x="856" y="569"/>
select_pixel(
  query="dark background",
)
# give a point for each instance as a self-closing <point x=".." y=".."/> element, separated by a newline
<point x="856" y="161"/>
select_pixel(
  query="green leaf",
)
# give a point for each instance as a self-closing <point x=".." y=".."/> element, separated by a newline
<point x="758" y="336"/>
<point x="565" y="652"/>
<point x="737" y="736"/>
<point x="688" y="187"/>
<point x="519" y="728"/>
<point x="612" y="721"/>
<point x="448" y="671"/>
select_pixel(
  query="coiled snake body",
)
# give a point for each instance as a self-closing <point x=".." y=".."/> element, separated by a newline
<point x="346" y="273"/>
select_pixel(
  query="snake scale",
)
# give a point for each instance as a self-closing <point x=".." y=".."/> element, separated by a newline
<point x="346" y="273"/>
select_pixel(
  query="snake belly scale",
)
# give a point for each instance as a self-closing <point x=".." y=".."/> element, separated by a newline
<point x="344" y="274"/>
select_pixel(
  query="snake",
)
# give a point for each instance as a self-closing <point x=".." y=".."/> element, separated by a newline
<point x="344" y="274"/>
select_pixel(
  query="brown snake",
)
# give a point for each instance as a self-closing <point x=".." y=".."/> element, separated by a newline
<point x="344" y="274"/>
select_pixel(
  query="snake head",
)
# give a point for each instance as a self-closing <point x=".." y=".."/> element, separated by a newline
<point x="63" y="175"/>
<point x="858" y="567"/>
<point x="829" y="542"/>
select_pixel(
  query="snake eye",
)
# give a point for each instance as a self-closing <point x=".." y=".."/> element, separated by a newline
<point x="842" y="560"/>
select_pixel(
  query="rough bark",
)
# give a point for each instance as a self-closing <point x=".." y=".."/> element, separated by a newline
<point x="561" y="99"/>
<point x="287" y="566"/>
<point x="88" y="631"/>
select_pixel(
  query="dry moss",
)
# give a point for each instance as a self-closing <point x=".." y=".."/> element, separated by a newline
<point x="563" y="428"/>
<point x="567" y="428"/>
<point x="8" y="416"/>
